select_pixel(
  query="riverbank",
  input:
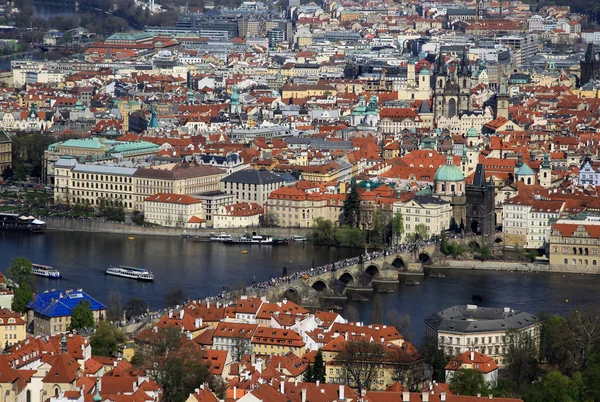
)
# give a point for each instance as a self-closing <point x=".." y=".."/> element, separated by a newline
<point x="98" y="226"/>
<point x="510" y="266"/>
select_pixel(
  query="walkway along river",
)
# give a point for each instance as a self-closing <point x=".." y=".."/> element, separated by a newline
<point x="202" y="269"/>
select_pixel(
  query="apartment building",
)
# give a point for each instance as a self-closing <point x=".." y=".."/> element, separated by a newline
<point x="277" y="342"/>
<point x="172" y="210"/>
<point x="13" y="328"/>
<point x="77" y="183"/>
<point x="515" y="220"/>
<point x="539" y="221"/>
<point x="463" y="328"/>
<point x="239" y="215"/>
<point x="251" y="185"/>
<point x="294" y="207"/>
<point x="431" y="211"/>
<point x="5" y="151"/>
<point x="174" y="178"/>
<point x="575" y="242"/>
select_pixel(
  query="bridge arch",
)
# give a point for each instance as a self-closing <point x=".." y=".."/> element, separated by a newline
<point x="474" y="244"/>
<point x="319" y="286"/>
<point x="498" y="240"/>
<point x="347" y="278"/>
<point x="373" y="270"/>
<point x="425" y="258"/>
<point x="292" y="294"/>
<point x="399" y="264"/>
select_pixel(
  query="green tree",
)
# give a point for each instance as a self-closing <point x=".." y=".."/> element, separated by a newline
<point x="468" y="382"/>
<point x="351" y="210"/>
<point x="105" y="341"/>
<point x="20" y="273"/>
<point x="347" y="236"/>
<point x="397" y="227"/>
<point x="135" y="306"/>
<point x="555" y="387"/>
<point x="174" y="297"/>
<point x="318" y="370"/>
<point x="82" y="316"/>
<point x="114" y="311"/>
<point x="520" y="359"/>
<point x="308" y="374"/>
<point x="421" y="232"/>
<point x="378" y="228"/>
<point x="485" y="252"/>
<point x="323" y="233"/>
<point x="591" y="378"/>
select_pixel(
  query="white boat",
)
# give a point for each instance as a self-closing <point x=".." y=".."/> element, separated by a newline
<point x="131" y="272"/>
<point x="254" y="239"/>
<point x="45" y="271"/>
<point x="299" y="238"/>
<point x="221" y="237"/>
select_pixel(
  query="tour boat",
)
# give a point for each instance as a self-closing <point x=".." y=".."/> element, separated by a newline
<point x="254" y="239"/>
<point x="21" y="223"/>
<point x="131" y="238"/>
<point x="221" y="237"/>
<point x="299" y="238"/>
<point x="45" y="271"/>
<point x="131" y="272"/>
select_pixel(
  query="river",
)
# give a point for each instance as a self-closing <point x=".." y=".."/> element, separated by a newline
<point x="202" y="269"/>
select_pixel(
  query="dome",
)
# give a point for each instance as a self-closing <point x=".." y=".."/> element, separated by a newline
<point x="472" y="132"/>
<point x="449" y="172"/>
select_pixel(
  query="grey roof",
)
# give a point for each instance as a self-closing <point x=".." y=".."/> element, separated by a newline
<point x="472" y="319"/>
<point x="4" y="137"/>
<point x="103" y="169"/>
<point x="253" y="177"/>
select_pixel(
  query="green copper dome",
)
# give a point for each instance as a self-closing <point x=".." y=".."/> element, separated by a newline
<point x="472" y="132"/>
<point x="449" y="172"/>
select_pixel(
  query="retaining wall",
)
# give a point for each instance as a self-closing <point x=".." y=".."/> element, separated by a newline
<point x="519" y="266"/>
<point x="90" y="225"/>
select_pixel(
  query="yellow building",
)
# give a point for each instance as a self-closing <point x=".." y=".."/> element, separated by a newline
<point x="5" y="151"/>
<point x="293" y="207"/>
<point x="428" y="210"/>
<point x="277" y="342"/>
<point x="172" y="210"/>
<point x="575" y="245"/>
<point x="289" y="90"/>
<point x="12" y="327"/>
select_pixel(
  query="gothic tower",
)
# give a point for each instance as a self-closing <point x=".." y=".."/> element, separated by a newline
<point x="590" y="65"/>
<point x="502" y="100"/>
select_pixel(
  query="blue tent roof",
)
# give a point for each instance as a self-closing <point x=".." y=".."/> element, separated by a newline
<point x="60" y="303"/>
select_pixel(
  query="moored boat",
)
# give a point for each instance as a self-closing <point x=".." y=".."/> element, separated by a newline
<point x="20" y="222"/>
<point x="221" y="237"/>
<point x="251" y="239"/>
<point x="299" y="238"/>
<point x="124" y="271"/>
<point x="434" y="274"/>
<point x="411" y="282"/>
<point x="45" y="271"/>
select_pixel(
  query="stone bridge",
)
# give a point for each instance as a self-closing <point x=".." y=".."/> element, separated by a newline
<point x="379" y="273"/>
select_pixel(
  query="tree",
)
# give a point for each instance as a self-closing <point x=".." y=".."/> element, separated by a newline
<point x="114" y="311"/>
<point x="578" y="337"/>
<point x="555" y="387"/>
<point x="397" y="227"/>
<point x="318" y="370"/>
<point x="485" y="252"/>
<point x="174" y="297"/>
<point x="435" y="357"/>
<point x="591" y="378"/>
<point x="135" y="306"/>
<point x="352" y="313"/>
<point x="351" y="210"/>
<point x="361" y="360"/>
<point x="521" y="363"/>
<point x="347" y="236"/>
<point x="376" y="310"/>
<point x="105" y="341"/>
<point x="174" y="362"/>
<point x="308" y="374"/>
<point x="82" y="316"/>
<point x="323" y="233"/>
<point x="378" y="228"/>
<point x="468" y="382"/>
<point x="401" y="322"/>
<point x="240" y="347"/>
<point x="21" y="273"/>
<point x="422" y="232"/>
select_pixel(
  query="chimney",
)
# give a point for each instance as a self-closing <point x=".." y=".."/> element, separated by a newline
<point x="405" y="396"/>
<point x="472" y="356"/>
<point x="207" y="304"/>
<point x="443" y="397"/>
<point x="490" y="396"/>
<point x="478" y="395"/>
<point x="303" y="393"/>
<point x="318" y="382"/>
<point x="202" y="386"/>
<point x="341" y="393"/>
<point x="170" y="313"/>
<point x="282" y="387"/>
<point x="181" y="313"/>
<point x="198" y="322"/>
<point x="234" y="393"/>
<point x="425" y="396"/>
